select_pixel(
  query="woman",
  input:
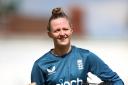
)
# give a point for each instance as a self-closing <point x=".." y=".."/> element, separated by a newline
<point x="66" y="64"/>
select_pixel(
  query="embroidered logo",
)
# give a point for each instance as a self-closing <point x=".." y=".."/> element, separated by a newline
<point x="51" y="70"/>
<point x="80" y="64"/>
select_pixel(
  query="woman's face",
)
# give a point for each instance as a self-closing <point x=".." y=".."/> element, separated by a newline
<point x="60" y="31"/>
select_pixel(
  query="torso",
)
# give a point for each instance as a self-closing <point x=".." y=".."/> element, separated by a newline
<point x="69" y="69"/>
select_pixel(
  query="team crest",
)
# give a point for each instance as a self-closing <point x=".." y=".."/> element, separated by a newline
<point x="80" y="64"/>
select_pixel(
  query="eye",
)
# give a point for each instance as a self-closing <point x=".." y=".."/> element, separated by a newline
<point x="65" y="29"/>
<point x="57" y="30"/>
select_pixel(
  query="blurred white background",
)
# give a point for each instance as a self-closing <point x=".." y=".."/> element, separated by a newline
<point x="18" y="56"/>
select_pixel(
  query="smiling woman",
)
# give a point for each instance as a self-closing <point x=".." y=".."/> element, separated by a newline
<point x="66" y="64"/>
<point x="59" y="29"/>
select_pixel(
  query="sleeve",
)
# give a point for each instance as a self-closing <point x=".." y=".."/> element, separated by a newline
<point x="101" y="70"/>
<point x="37" y="75"/>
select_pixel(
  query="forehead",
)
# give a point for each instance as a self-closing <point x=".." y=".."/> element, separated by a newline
<point x="59" y="22"/>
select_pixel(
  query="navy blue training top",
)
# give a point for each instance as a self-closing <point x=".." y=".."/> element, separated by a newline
<point x="71" y="69"/>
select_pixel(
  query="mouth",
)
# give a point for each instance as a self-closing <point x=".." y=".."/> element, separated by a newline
<point x="63" y="38"/>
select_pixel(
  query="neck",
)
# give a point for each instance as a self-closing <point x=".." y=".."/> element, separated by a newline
<point x="61" y="50"/>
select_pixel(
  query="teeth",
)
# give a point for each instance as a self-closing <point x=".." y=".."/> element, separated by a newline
<point x="62" y="38"/>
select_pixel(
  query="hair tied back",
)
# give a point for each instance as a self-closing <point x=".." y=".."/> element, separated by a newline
<point x="57" y="11"/>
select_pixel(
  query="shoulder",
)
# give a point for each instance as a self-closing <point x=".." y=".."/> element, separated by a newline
<point x="84" y="52"/>
<point x="81" y="50"/>
<point x="44" y="58"/>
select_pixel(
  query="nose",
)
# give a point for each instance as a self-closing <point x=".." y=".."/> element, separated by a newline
<point x="61" y="32"/>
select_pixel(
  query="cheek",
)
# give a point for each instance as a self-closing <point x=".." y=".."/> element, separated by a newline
<point x="70" y="33"/>
<point x="55" y="35"/>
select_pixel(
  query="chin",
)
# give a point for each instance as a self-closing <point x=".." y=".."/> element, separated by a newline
<point x="63" y="43"/>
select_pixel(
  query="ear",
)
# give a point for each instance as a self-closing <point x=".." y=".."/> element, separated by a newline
<point x="71" y="29"/>
<point x="49" y="34"/>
